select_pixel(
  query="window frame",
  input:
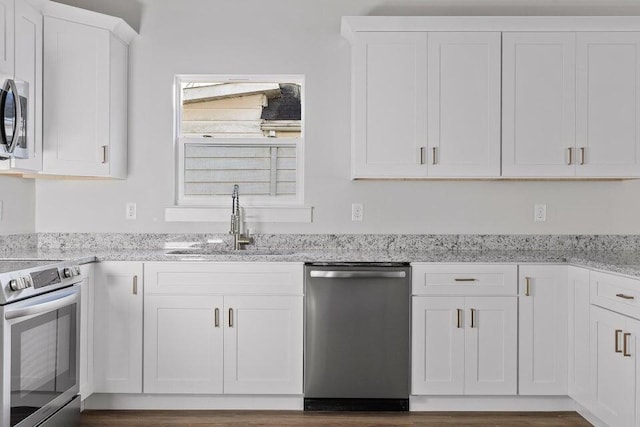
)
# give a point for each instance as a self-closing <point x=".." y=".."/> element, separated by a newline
<point x="180" y="142"/>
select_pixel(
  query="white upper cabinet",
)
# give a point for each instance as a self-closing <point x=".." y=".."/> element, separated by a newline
<point x="463" y="98"/>
<point x="608" y="104"/>
<point x="85" y="93"/>
<point x="538" y="104"/>
<point x="389" y="105"/>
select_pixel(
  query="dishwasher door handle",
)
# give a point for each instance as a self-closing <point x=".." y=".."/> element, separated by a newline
<point x="358" y="274"/>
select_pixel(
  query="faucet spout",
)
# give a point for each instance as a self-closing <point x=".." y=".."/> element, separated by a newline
<point x="239" y="239"/>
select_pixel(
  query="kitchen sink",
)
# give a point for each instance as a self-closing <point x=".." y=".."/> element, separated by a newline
<point x="229" y="252"/>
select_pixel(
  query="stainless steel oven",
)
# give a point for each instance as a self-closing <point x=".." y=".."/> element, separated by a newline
<point x="40" y="347"/>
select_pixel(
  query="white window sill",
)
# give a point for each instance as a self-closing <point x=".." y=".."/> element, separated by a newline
<point x="252" y="214"/>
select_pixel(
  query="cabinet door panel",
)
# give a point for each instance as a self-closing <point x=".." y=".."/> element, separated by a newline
<point x="389" y="96"/>
<point x="608" y="101"/>
<point x="543" y="330"/>
<point x="491" y="346"/>
<point x="538" y="104"/>
<point x="612" y="374"/>
<point x="579" y="336"/>
<point x="6" y="37"/>
<point x="437" y="345"/>
<point x="76" y="86"/>
<point x="183" y="345"/>
<point x="464" y="103"/>
<point x="87" y="334"/>
<point x="118" y="327"/>
<point x="263" y="345"/>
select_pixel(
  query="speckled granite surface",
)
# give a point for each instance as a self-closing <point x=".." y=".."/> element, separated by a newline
<point x="620" y="254"/>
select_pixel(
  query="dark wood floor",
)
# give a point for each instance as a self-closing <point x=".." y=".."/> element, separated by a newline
<point x="320" y="419"/>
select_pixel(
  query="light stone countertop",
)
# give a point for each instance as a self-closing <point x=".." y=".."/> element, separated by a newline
<point x="623" y="262"/>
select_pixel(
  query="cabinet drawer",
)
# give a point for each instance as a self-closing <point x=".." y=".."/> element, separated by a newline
<point x="193" y="278"/>
<point x="464" y="279"/>
<point x="617" y="293"/>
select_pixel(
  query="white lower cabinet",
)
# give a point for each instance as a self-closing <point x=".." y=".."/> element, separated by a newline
<point x="464" y="345"/>
<point x="579" y="336"/>
<point x="118" y="327"/>
<point x="87" y="289"/>
<point x="543" y="332"/>
<point x="211" y="341"/>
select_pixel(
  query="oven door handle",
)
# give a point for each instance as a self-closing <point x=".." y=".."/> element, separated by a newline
<point x="41" y="308"/>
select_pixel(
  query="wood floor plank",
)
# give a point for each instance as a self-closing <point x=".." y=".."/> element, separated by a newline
<point x="324" y="419"/>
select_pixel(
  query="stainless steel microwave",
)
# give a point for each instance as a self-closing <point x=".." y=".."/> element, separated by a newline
<point x="14" y="106"/>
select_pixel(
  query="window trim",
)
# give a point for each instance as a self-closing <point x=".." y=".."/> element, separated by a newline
<point x="179" y="144"/>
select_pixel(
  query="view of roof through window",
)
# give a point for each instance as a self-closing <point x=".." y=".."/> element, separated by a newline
<point x="241" y="109"/>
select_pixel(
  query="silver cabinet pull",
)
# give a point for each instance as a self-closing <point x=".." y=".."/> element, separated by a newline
<point x="582" y="149"/>
<point x="104" y="153"/>
<point x="465" y="280"/>
<point x="422" y="155"/>
<point x="459" y="318"/>
<point x="623" y="296"/>
<point x="216" y="317"/>
<point x="570" y="157"/>
<point x="473" y="317"/>
<point x="527" y="286"/>
<point x="625" y="350"/>
<point x="434" y="155"/>
<point x="358" y="274"/>
<point x="231" y="317"/>
<point x="617" y="340"/>
<point x="135" y="285"/>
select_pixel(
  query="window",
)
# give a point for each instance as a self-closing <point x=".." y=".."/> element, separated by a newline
<point x="245" y="130"/>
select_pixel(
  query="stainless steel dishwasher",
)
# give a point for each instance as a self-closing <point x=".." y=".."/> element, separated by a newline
<point x="357" y="336"/>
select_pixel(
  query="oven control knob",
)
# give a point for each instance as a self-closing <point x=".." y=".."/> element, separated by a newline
<point x="28" y="281"/>
<point x="76" y="270"/>
<point x="67" y="272"/>
<point x="13" y="284"/>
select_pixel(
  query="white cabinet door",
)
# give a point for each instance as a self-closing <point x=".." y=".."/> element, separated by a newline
<point x="7" y="33"/>
<point x="263" y="345"/>
<point x="464" y="104"/>
<point x="389" y="105"/>
<point x="87" y="289"/>
<point x="76" y="98"/>
<point x="608" y="104"/>
<point x="538" y="104"/>
<point x="118" y="327"/>
<point x="633" y="327"/>
<point x="28" y="68"/>
<point x="183" y="344"/>
<point x="543" y="331"/>
<point x="613" y="374"/>
<point x="437" y="345"/>
<point x="491" y="341"/>
<point x="579" y="336"/>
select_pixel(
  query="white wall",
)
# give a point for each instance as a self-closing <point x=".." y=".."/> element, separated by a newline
<point x="302" y="37"/>
<point x="18" y="205"/>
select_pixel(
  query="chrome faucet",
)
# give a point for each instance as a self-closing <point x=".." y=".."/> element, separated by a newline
<point x="239" y="239"/>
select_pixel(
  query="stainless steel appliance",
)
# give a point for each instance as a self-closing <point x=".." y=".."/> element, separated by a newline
<point x="40" y="309"/>
<point x="357" y="336"/>
<point x="14" y="106"/>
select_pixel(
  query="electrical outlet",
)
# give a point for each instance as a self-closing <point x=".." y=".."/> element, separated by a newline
<point x="130" y="211"/>
<point x="1" y="211"/>
<point x="540" y="213"/>
<point x="357" y="211"/>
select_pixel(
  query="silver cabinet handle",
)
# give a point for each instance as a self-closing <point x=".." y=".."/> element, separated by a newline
<point x="216" y="317"/>
<point x="465" y="280"/>
<point x="582" y="150"/>
<point x="231" y="317"/>
<point x="104" y="154"/>
<point x="135" y="285"/>
<point x="570" y="150"/>
<point x="434" y="155"/>
<point x="623" y="296"/>
<point x="473" y="317"/>
<point x="625" y="350"/>
<point x="358" y="274"/>
<point x="459" y="318"/>
<point x="527" y="286"/>
<point x="422" y="155"/>
<point x="617" y="340"/>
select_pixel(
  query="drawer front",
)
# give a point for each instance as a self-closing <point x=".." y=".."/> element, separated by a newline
<point x="194" y="278"/>
<point x="617" y="293"/>
<point x="464" y="279"/>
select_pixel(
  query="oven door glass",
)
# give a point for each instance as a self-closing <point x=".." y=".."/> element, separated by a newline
<point x="43" y="360"/>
